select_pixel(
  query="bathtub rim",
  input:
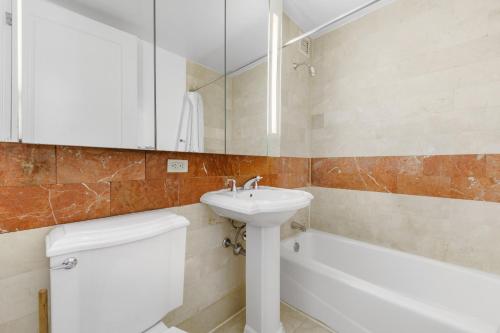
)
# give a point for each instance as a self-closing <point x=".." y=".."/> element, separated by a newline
<point x="351" y="241"/>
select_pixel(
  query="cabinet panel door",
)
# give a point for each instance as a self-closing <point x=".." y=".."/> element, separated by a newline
<point x="80" y="79"/>
<point x="5" y="73"/>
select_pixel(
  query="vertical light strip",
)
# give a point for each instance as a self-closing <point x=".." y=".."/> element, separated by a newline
<point x="274" y="74"/>
<point x="19" y="65"/>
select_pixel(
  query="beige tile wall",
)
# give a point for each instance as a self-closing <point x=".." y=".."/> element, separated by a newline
<point x="295" y="90"/>
<point x="462" y="232"/>
<point x="213" y="104"/>
<point x="247" y="106"/>
<point x="248" y="114"/>
<point x="23" y="271"/>
<point x="416" y="77"/>
<point x="214" y="278"/>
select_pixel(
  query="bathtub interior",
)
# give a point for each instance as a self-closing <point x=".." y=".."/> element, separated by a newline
<point x="442" y="285"/>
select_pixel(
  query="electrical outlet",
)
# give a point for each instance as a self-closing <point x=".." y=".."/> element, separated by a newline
<point x="177" y="166"/>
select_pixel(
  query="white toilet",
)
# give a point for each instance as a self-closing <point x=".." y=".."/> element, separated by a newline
<point x="120" y="274"/>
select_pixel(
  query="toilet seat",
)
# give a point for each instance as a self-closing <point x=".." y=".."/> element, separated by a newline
<point x="161" y="328"/>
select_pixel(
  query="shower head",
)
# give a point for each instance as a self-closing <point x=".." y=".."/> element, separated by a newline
<point x="312" y="70"/>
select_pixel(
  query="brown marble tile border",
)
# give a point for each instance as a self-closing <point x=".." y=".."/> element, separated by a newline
<point x="469" y="177"/>
<point x="43" y="185"/>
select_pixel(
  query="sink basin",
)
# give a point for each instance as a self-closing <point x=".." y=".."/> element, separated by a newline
<point x="264" y="207"/>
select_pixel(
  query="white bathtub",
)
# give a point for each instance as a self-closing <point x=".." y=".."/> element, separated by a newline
<point x="356" y="287"/>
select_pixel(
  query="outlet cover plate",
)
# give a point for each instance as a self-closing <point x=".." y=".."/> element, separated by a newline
<point x="177" y="166"/>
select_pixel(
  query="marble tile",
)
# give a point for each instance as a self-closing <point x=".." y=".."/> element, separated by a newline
<point x="293" y="320"/>
<point x="23" y="165"/>
<point x="199" y="165"/>
<point x="25" y="207"/>
<point x="191" y="189"/>
<point x="462" y="232"/>
<point x="212" y="316"/>
<point x="427" y="87"/>
<point x="79" y="202"/>
<point x="21" y="252"/>
<point x="94" y="165"/>
<point x="139" y="195"/>
<point x="470" y="177"/>
<point x="458" y="165"/>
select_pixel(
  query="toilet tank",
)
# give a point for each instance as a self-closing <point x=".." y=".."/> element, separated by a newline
<point x="129" y="272"/>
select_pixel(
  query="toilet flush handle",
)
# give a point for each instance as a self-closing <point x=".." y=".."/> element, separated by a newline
<point x="68" y="263"/>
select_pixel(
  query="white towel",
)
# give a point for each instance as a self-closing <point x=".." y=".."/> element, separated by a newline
<point x="190" y="135"/>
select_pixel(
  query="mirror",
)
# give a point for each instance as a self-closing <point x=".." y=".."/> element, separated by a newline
<point x="86" y="72"/>
<point x="190" y="73"/>
<point x="172" y="75"/>
<point x="247" y="43"/>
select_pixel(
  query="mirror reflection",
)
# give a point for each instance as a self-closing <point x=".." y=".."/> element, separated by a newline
<point x="198" y="108"/>
<point x="247" y="26"/>
<point x="87" y="72"/>
<point x="190" y="89"/>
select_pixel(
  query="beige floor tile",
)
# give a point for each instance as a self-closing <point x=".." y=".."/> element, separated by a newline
<point x="235" y="325"/>
<point x="309" y="326"/>
<point x="293" y="320"/>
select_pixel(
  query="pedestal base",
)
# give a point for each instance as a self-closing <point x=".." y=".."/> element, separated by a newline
<point x="263" y="280"/>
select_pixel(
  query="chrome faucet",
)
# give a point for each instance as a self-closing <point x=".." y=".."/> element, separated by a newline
<point x="232" y="182"/>
<point x="297" y="226"/>
<point x="252" y="182"/>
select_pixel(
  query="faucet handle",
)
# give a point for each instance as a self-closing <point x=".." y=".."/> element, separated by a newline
<point x="232" y="182"/>
<point x="257" y="180"/>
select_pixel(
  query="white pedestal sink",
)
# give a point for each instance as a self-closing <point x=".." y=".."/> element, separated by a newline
<point x="263" y="210"/>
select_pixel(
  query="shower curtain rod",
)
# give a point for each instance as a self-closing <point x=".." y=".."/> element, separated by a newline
<point x="296" y="39"/>
<point x="331" y="22"/>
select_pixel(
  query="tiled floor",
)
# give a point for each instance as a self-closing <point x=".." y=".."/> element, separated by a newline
<point x="294" y="322"/>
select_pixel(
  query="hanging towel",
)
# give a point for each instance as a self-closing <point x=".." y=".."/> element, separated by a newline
<point x="190" y="135"/>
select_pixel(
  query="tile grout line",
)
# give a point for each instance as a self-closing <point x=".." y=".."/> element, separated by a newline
<point x="316" y="321"/>
<point x="227" y="320"/>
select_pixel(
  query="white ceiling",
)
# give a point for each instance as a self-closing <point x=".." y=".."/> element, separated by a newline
<point x="311" y="14"/>
<point x="194" y="29"/>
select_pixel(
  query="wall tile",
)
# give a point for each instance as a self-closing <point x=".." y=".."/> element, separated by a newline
<point x="470" y="177"/>
<point x="199" y="165"/>
<point x="25" y="207"/>
<point x="94" y="165"/>
<point x="493" y="166"/>
<point x="191" y="189"/>
<point x="462" y="232"/>
<point x="27" y="164"/>
<point x="95" y="182"/>
<point x="433" y="186"/>
<point x="79" y="202"/>
<point x="253" y="165"/>
<point x="140" y="195"/>
<point x="457" y="165"/>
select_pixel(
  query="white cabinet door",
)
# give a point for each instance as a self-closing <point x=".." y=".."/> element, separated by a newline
<point x="171" y="81"/>
<point x="80" y="79"/>
<point x="5" y="72"/>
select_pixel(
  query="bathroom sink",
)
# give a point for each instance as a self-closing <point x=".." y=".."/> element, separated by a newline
<point x="263" y="207"/>
<point x="263" y="210"/>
